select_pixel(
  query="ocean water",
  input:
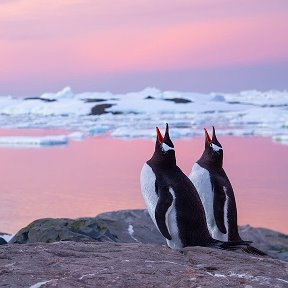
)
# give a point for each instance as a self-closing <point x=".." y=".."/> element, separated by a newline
<point x="98" y="174"/>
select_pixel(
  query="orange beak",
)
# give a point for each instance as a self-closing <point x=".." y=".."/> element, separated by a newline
<point x="159" y="135"/>
<point x="207" y="136"/>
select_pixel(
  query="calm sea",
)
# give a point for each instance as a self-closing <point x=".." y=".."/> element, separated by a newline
<point x="101" y="174"/>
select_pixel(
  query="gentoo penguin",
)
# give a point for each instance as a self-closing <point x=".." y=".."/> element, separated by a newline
<point x="174" y="204"/>
<point x="216" y="193"/>
<point x="171" y="199"/>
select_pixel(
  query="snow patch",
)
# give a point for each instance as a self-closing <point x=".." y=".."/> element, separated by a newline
<point x="7" y="237"/>
<point x="39" y="284"/>
<point x="86" y="275"/>
<point x="282" y="280"/>
<point x="131" y="232"/>
<point x="216" y="275"/>
<point x="260" y="279"/>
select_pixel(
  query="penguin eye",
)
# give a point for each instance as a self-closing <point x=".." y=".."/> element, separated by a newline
<point x="215" y="148"/>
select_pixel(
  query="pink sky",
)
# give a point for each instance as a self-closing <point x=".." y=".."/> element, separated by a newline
<point x="128" y="44"/>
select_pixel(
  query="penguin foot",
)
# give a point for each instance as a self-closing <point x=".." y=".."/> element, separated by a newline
<point x="243" y="246"/>
<point x="252" y="250"/>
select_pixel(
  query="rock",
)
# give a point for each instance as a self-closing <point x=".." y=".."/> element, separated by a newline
<point x="40" y="99"/>
<point x="2" y="241"/>
<point x="273" y="243"/>
<point x="149" y="97"/>
<point x="110" y="264"/>
<point x="92" y="100"/>
<point x="4" y="238"/>
<point x="100" y="109"/>
<point x="52" y="230"/>
<point x="178" y="100"/>
<point x="132" y="226"/>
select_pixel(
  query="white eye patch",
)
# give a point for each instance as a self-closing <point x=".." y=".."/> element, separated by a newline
<point x="166" y="148"/>
<point x="215" y="147"/>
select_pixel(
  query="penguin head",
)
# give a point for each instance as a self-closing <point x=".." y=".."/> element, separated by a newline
<point x="213" y="147"/>
<point x="164" y="148"/>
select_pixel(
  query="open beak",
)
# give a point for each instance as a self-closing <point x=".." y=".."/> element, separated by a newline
<point x="167" y="129"/>
<point x="213" y="134"/>
<point x="207" y="136"/>
<point x="159" y="135"/>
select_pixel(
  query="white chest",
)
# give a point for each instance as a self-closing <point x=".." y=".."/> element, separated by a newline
<point x="147" y="181"/>
<point x="200" y="178"/>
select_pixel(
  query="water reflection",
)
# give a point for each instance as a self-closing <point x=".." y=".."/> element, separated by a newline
<point x="102" y="174"/>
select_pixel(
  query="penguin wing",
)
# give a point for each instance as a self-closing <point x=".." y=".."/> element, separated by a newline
<point x="164" y="203"/>
<point x="218" y="206"/>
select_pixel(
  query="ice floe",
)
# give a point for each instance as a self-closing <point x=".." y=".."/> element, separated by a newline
<point x="31" y="141"/>
<point x="136" y="114"/>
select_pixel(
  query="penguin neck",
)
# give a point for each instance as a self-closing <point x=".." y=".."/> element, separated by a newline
<point x="165" y="161"/>
<point x="207" y="160"/>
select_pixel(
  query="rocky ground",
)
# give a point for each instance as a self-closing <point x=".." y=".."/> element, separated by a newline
<point x="110" y="264"/>
<point x="124" y="249"/>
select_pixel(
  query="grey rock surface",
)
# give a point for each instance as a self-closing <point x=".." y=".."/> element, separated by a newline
<point x="271" y="242"/>
<point x="110" y="264"/>
<point x="132" y="226"/>
<point x="100" y="109"/>
<point x="2" y="241"/>
<point x="52" y="230"/>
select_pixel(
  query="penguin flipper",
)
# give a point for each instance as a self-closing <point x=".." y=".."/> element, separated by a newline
<point x="218" y="206"/>
<point x="164" y="203"/>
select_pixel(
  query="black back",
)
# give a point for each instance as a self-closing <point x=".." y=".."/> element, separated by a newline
<point x="212" y="161"/>
<point x="190" y="215"/>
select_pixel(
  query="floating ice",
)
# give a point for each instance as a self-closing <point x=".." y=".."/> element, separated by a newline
<point x="33" y="141"/>
<point x="65" y="93"/>
<point x="281" y="139"/>
<point x="136" y="114"/>
<point x="76" y="135"/>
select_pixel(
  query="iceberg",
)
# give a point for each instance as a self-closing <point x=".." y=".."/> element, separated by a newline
<point x="134" y="114"/>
